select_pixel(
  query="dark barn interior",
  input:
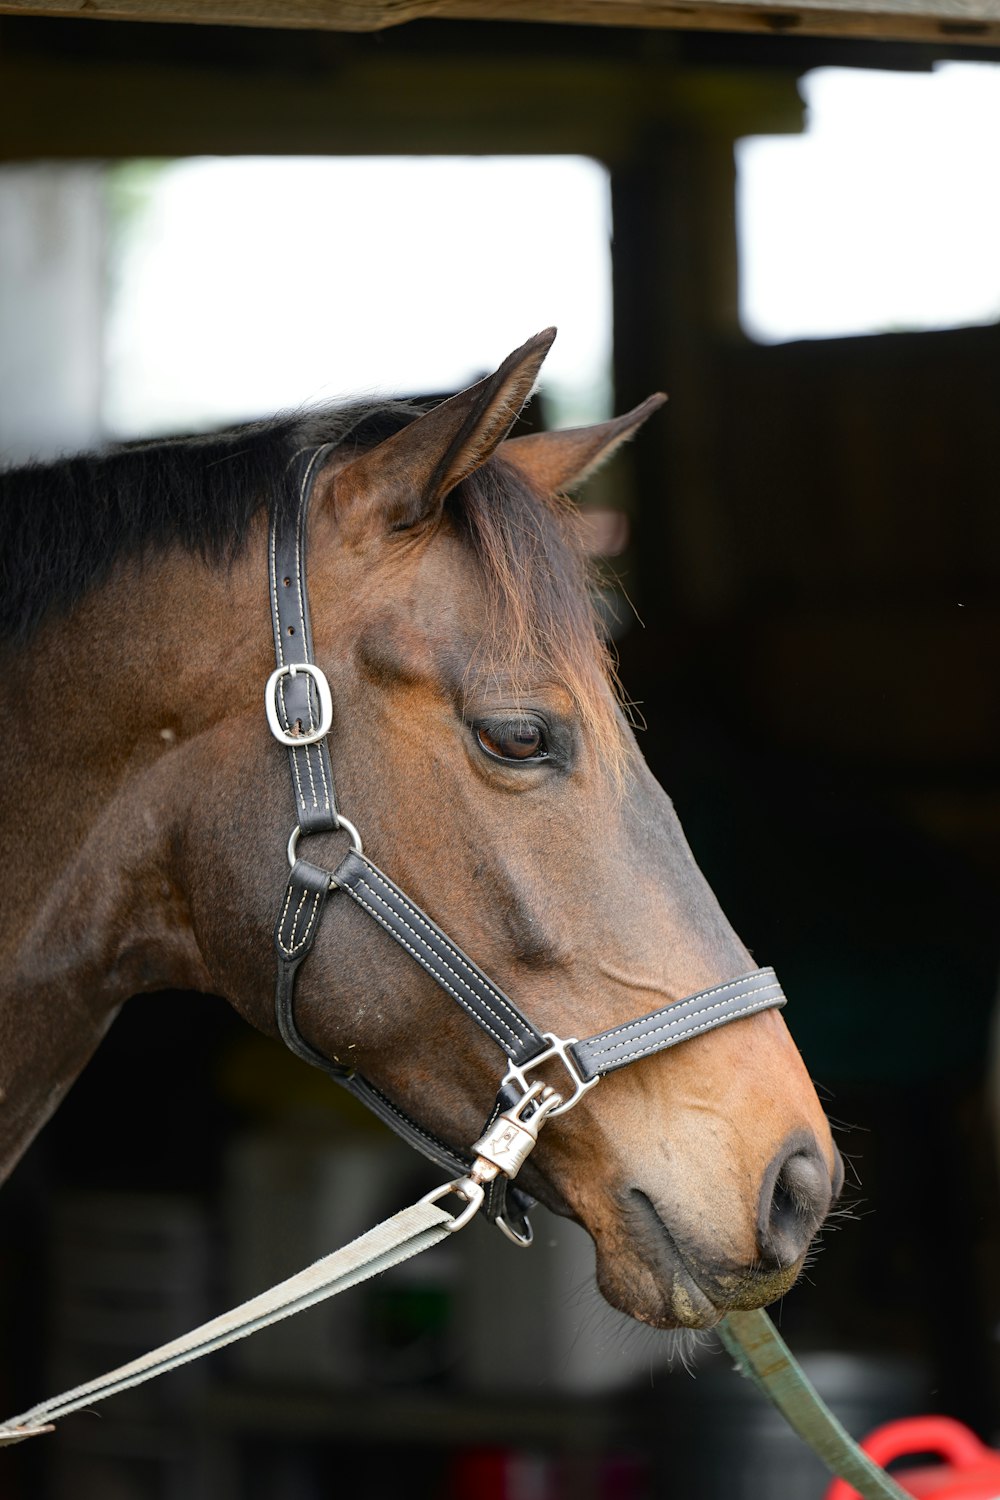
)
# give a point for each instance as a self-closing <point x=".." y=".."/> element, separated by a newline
<point x="814" y="556"/>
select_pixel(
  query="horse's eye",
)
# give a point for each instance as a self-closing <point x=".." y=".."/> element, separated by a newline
<point x="519" y="739"/>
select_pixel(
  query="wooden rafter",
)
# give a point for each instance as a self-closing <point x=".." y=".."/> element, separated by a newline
<point x="957" y="20"/>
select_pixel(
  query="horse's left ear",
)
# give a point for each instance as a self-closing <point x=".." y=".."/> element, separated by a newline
<point x="557" y="461"/>
<point x="404" y="480"/>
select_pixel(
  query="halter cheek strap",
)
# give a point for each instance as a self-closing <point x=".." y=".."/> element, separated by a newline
<point x="299" y="711"/>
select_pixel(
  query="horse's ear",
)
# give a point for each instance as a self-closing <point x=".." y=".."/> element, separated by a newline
<point x="557" y="461"/>
<point x="404" y="480"/>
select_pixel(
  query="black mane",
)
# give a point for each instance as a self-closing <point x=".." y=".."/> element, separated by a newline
<point x="63" y="525"/>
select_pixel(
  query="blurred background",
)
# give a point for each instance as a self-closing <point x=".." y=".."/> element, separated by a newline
<point x="799" y="239"/>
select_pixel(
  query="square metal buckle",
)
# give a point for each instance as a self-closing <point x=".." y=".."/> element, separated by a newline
<point x="516" y="1073"/>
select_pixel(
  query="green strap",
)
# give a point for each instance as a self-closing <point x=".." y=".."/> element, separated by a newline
<point x="762" y="1355"/>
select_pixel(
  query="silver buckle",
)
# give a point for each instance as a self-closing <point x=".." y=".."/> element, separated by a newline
<point x="305" y="736"/>
<point x="558" y="1048"/>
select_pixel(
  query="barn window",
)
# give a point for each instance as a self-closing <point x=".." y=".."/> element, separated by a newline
<point x="883" y="216"/>
<point x="244" y="286"/>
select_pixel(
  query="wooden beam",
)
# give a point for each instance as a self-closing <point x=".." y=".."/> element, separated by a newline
<point x="958" y="20"/>
<point x="371" y="102"/>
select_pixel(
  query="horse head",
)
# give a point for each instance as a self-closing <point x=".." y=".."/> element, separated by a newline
<point x="478" y="744"/>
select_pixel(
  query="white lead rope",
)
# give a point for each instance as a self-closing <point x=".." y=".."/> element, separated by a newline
<point x="407" y="1233"/>
<point x="750" y="1337"/>
<point x="504" y="1147"/>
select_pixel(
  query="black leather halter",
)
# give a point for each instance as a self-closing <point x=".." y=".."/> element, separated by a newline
<point x="299" y="711"/>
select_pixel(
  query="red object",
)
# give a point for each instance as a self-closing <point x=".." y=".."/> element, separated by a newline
<point x="971" y="1471"/>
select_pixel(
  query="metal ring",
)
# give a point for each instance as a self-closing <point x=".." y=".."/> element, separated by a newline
<point x="522" y="1241"/>
<point x="472" y="1194"/>
<point x="342" y="822"/>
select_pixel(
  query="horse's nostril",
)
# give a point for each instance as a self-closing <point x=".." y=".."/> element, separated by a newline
<point x="794" y="1202"/>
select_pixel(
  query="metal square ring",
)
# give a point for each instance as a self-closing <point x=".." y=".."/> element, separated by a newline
<point x="516" y="1073"/>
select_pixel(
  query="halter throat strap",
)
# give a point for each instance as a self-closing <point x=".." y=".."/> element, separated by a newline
<point x="299" y="712"/>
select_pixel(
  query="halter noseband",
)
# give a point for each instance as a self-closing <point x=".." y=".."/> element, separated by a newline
<point x="299" y="712"/>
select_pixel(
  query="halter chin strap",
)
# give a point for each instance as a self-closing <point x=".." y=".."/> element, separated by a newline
<point x="299" y="712"/>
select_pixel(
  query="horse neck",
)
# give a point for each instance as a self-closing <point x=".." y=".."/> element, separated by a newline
<point x="97" y="710"/>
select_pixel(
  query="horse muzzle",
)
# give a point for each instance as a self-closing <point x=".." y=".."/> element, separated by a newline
<point x="664" y="1269"/>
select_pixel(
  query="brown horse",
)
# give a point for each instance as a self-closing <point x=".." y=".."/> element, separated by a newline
<point x="478" y="744"/>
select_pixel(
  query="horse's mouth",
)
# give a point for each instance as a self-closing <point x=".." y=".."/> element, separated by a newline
<point x="668" y="1286"/>
<point x="685" y="1303"/>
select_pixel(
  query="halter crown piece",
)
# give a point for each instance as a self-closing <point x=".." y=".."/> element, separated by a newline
<point x="299" y="712"/>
